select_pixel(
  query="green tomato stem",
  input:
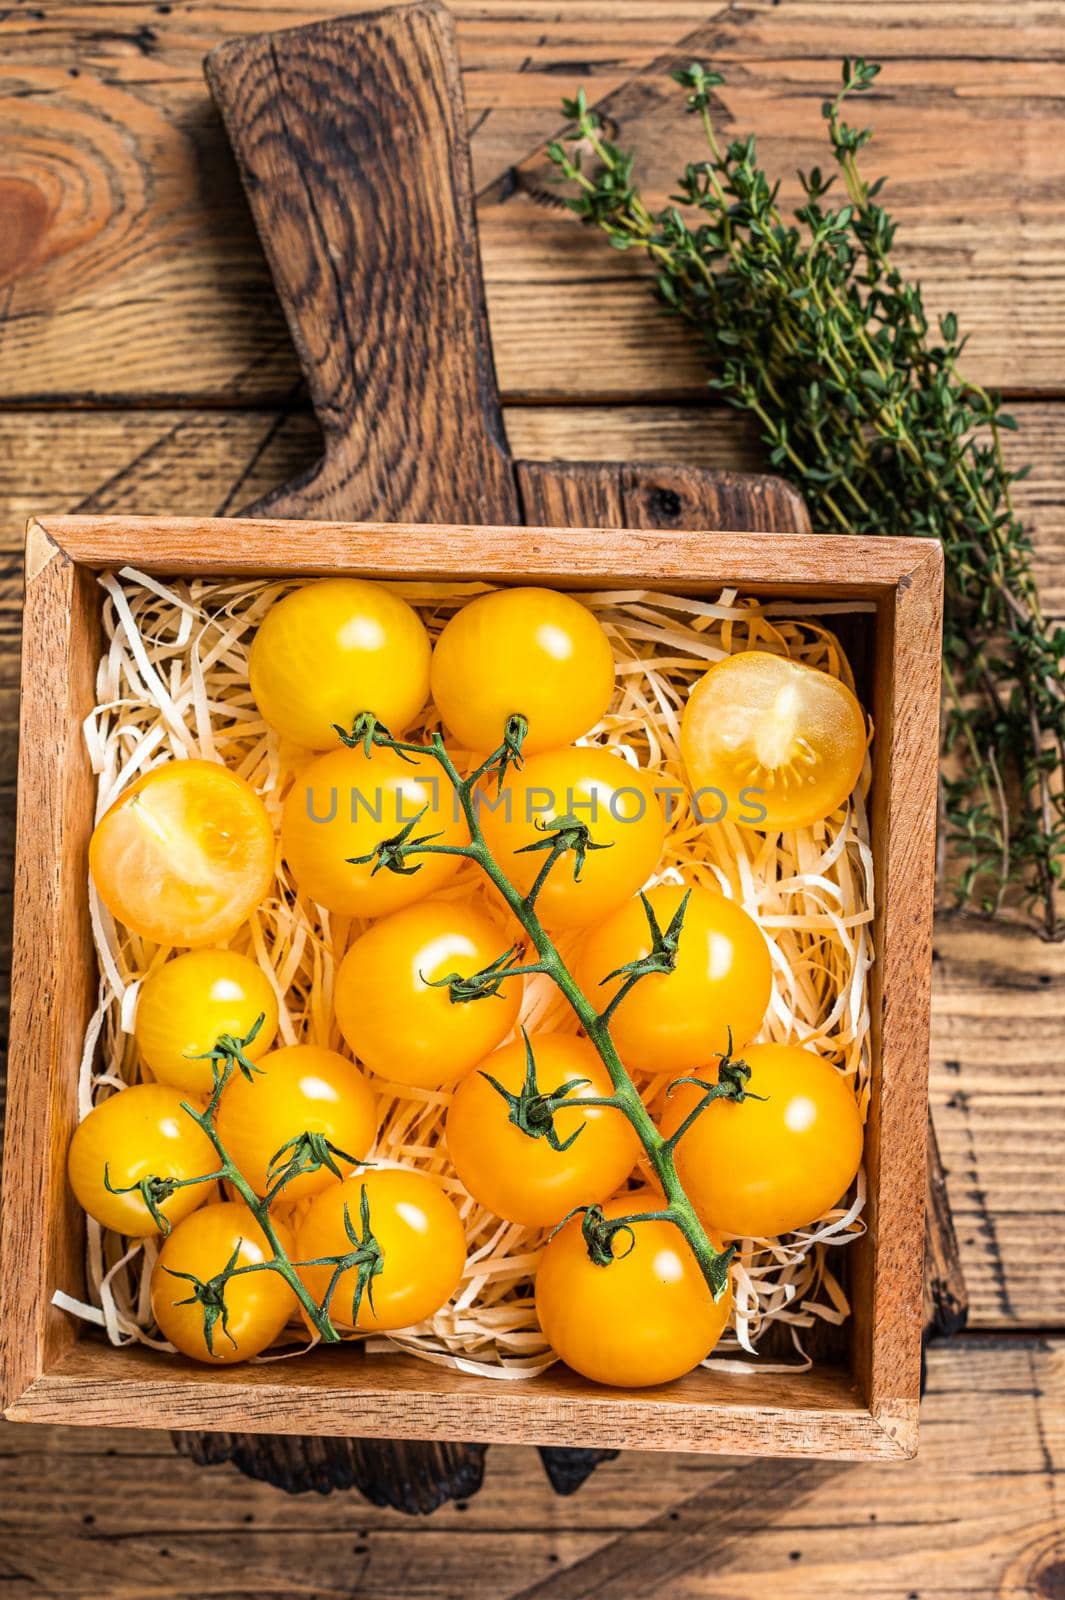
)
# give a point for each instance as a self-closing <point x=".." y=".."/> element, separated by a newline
<point x="660" y="1152"/>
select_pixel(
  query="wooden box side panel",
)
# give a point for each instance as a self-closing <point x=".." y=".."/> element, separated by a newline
<point x="341" y="1391"/>
<point x="53" y="975"/>
<point x="829" y="566"/>
<point x="888" y="1267"/>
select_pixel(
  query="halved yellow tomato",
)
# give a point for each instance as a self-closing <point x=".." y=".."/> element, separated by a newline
<point x="184" y="855"/>
<point x="771" y="743"/>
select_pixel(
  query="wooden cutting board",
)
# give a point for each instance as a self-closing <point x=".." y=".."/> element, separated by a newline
<point x="350" y="136"/>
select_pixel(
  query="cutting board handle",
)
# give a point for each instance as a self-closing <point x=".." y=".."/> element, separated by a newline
<point x="350" y="136"/>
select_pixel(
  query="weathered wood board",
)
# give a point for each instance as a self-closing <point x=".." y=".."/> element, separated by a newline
<point x="108" y="1515"/>
<point x="128" y="269"/>
<point x="129" y="276"/>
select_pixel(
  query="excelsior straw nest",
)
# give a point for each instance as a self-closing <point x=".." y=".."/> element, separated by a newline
<point x="173" y="682"/>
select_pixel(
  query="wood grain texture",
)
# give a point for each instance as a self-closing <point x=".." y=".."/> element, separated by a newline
<point x="350" y="137"/>
<point x="818" y="1413"/>
<point x="830" y="564"/>
<point x="888" y="1279"/>
<point x="53" y="984"/>
<point x="107" y="1514"/>
<point x="129" y="268"/>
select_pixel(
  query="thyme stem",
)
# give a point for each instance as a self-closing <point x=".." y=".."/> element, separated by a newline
<point x="810" y="327"/>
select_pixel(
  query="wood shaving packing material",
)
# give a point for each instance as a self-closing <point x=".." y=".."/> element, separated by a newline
<point x="173" y="683"/>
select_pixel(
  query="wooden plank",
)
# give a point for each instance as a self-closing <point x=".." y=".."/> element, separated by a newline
<point x="210" y="463"/>
<point x="974" y="1515"/>
<point x="372" y="244"/>
<point x="128" y="263"/>
<point x="999" y="1143"/>
<point x="968" y="116"/>
<point x="129" y="269"/>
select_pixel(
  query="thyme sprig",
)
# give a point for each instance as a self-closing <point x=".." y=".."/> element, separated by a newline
<point x="811" y="328"/>
<point x="306" y="1153"/>
<point x="532" y="1110"/>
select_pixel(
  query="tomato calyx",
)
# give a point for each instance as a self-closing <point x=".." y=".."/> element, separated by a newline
<point x="366" y="732"/>
<point x="733" y="1077"/>
<point x="532" y="1111"/>
<point x="484" y="984"/>
<point x="230" y="1051"/>
<point x="307" y="1153"/>
<point x="661" y="958"/>
<point x="510" y="752"/>
<point x="366" y="1258"/>
<point x="155" y="1192"/>
<point x="392" y="853"/>
<point x="211" y="1295"/>
<point x="562" y="835"/>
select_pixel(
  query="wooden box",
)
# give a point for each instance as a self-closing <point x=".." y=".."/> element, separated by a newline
<point x="53" y="1370"/>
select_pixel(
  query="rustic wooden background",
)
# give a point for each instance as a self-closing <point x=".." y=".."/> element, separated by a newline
<point x="144" y="364"/>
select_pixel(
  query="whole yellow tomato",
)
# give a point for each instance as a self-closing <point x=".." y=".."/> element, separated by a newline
<point x="336" y="648"/>
<point x="189" y="1001"/>
<point x="344" y="804"/>
<point x="257" y="1305"/>
<point x="392" y="1016"/>
<point x="671" y="1022"/>
<point x="421" y="1240"/>
<point x="139" y="1133"/>
<point x="616" y="802"/>
<point x="529" y="652"/>
<point x="184" y="855"/>
<point x="646" y="1317"/>
<point x="536" y="1180"/>
<point x="299" y="1089"/>
<point x="759" y="1168"/>
<point x="771" y="743"/>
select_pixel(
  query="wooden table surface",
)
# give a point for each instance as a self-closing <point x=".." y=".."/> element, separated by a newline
<point x="144" y="366"/>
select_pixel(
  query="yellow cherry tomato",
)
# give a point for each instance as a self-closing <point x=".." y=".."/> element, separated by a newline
<point x="185" y="1004"/>
<point x="671" y="1022"/>
<point x="529" y="652"/>
<point x="257" y="1304"/>
<point x="646" y="1317"/>
<point x="525" y="1179"/>
<point x="759" y="1168"/>
<point x="771" y="743"/>
<point x="184" y="855"/>
<point x="622" y="812"/>
<point x="344" y="804"/>
<point x="302" y="1088"/>
<point x="336" y="648"/>
<point x="139" y="1133"/>
<point x="393" y="1018"/>
<point x="421" y="1239"/>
